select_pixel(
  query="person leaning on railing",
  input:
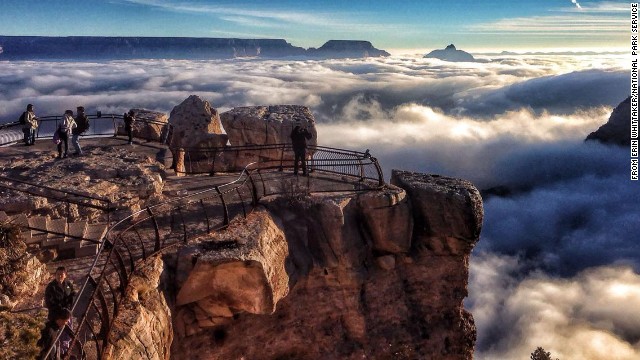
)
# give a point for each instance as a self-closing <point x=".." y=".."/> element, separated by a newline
<point x="299" y="137"/>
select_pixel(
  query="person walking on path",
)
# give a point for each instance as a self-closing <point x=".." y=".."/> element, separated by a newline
<point x="59" y="293"/>
<point x="29" y="122"/>
<point x="129" y="119"/>
<point x="299" y="137"/>
<point x="82" y="124"/>
<point x="64" y="129"/>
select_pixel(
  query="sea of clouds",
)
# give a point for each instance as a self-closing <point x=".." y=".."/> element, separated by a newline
<point x="558" y="262"/>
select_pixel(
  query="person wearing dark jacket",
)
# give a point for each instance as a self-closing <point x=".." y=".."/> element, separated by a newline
<point x="129" y="118"/>
<point x="299" y="137"/>
<point x="48" y="336"/>
<point x="81" y="126"/>
<point x="59" y="294"/>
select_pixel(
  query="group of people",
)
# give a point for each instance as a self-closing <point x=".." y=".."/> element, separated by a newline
<point x="70" y="126"/>
<point x="73" y="126"/>
<point x="58" y="297"/>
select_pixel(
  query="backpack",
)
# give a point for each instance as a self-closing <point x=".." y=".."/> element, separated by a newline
<point x="23" y="118"/>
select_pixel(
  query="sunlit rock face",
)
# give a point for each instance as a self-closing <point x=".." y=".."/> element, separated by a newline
<point x="264" y="125"/>
<point x="143" y="329"/>
<point x="618" y="129"/>
<point x="373" y="275"/>
<point x="450" y="53"/>
<point x="196" y="124"/>
<point x="148" y="125"/>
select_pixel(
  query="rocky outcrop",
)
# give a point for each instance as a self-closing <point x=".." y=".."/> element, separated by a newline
<point x="196" y="124"/>
<point x="149" y="125"/>
<point x="618" y="129"/>
<point x="245" y="274"/>
<point x="262" y="125"/>
<point x="448" y="212"/>
<point x="450" y="53"/>
<point x="336" y="49"/>
<point x="129" y="178"/>
<point x="143" y="328"/>
<point x="375" y="275"/>
<point x="21" y="274"/>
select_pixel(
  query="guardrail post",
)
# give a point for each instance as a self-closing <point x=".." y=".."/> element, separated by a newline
<point x="179" y="162"/>
<point x="224" y="207"/>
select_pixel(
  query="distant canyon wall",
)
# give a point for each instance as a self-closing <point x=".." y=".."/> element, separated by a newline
<point x="91" y="48"/>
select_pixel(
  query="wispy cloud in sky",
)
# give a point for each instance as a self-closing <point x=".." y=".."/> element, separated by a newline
<point x="601" y="20"/>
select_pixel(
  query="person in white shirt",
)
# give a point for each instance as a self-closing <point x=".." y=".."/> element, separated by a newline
<point x="64" y="129"/>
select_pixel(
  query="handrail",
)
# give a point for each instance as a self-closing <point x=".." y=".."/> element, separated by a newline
<point x="320" y="158"/>
<point x="116" y="243"/>
<point x="107" y="125"/>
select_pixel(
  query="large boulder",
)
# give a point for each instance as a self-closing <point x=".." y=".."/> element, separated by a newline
<point x="240" y="270"/>
<point x="149" y="125"/>
<point x="196" y="125"/>
<point x="264" y="125"/>
<point x="618" y="129"/>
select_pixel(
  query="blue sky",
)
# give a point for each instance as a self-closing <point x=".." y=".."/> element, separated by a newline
<point x="424" y="24"/>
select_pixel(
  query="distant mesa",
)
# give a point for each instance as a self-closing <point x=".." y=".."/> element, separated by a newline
<point x="122" y="48"/>
<point x="616" y="130"/>
<point x="346" y="49"/>
<point x="450" y="53"/>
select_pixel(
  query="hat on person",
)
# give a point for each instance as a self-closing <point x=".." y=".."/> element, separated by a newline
<point x="68" y="112"/>
<point x="80" y="108"/>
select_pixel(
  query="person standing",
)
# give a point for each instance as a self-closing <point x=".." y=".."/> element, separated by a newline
<point x="59" y="293"/>
<point x="58" y="320"/>
<point x="82" y="124"/>
<point x="299" y="137"/>
<point x="29" y="122"/>
<point x="129" y="119"/>
<point x="64" y="129"/>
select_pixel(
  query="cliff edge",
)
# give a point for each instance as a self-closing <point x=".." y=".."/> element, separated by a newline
<point x="378" y="274"/>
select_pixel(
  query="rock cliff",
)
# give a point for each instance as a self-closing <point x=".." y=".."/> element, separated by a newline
<point x="338" y="276"/>
<point x="618" y="129"/>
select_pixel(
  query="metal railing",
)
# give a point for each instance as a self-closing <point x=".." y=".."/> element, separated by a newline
<point x="355" y="164"/>
<point x="99" y="125"/>
<point x="144" y="234"/>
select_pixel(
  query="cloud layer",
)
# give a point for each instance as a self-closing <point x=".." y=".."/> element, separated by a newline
<point x="558" y="262"/>
<point x="592" y="315"/>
